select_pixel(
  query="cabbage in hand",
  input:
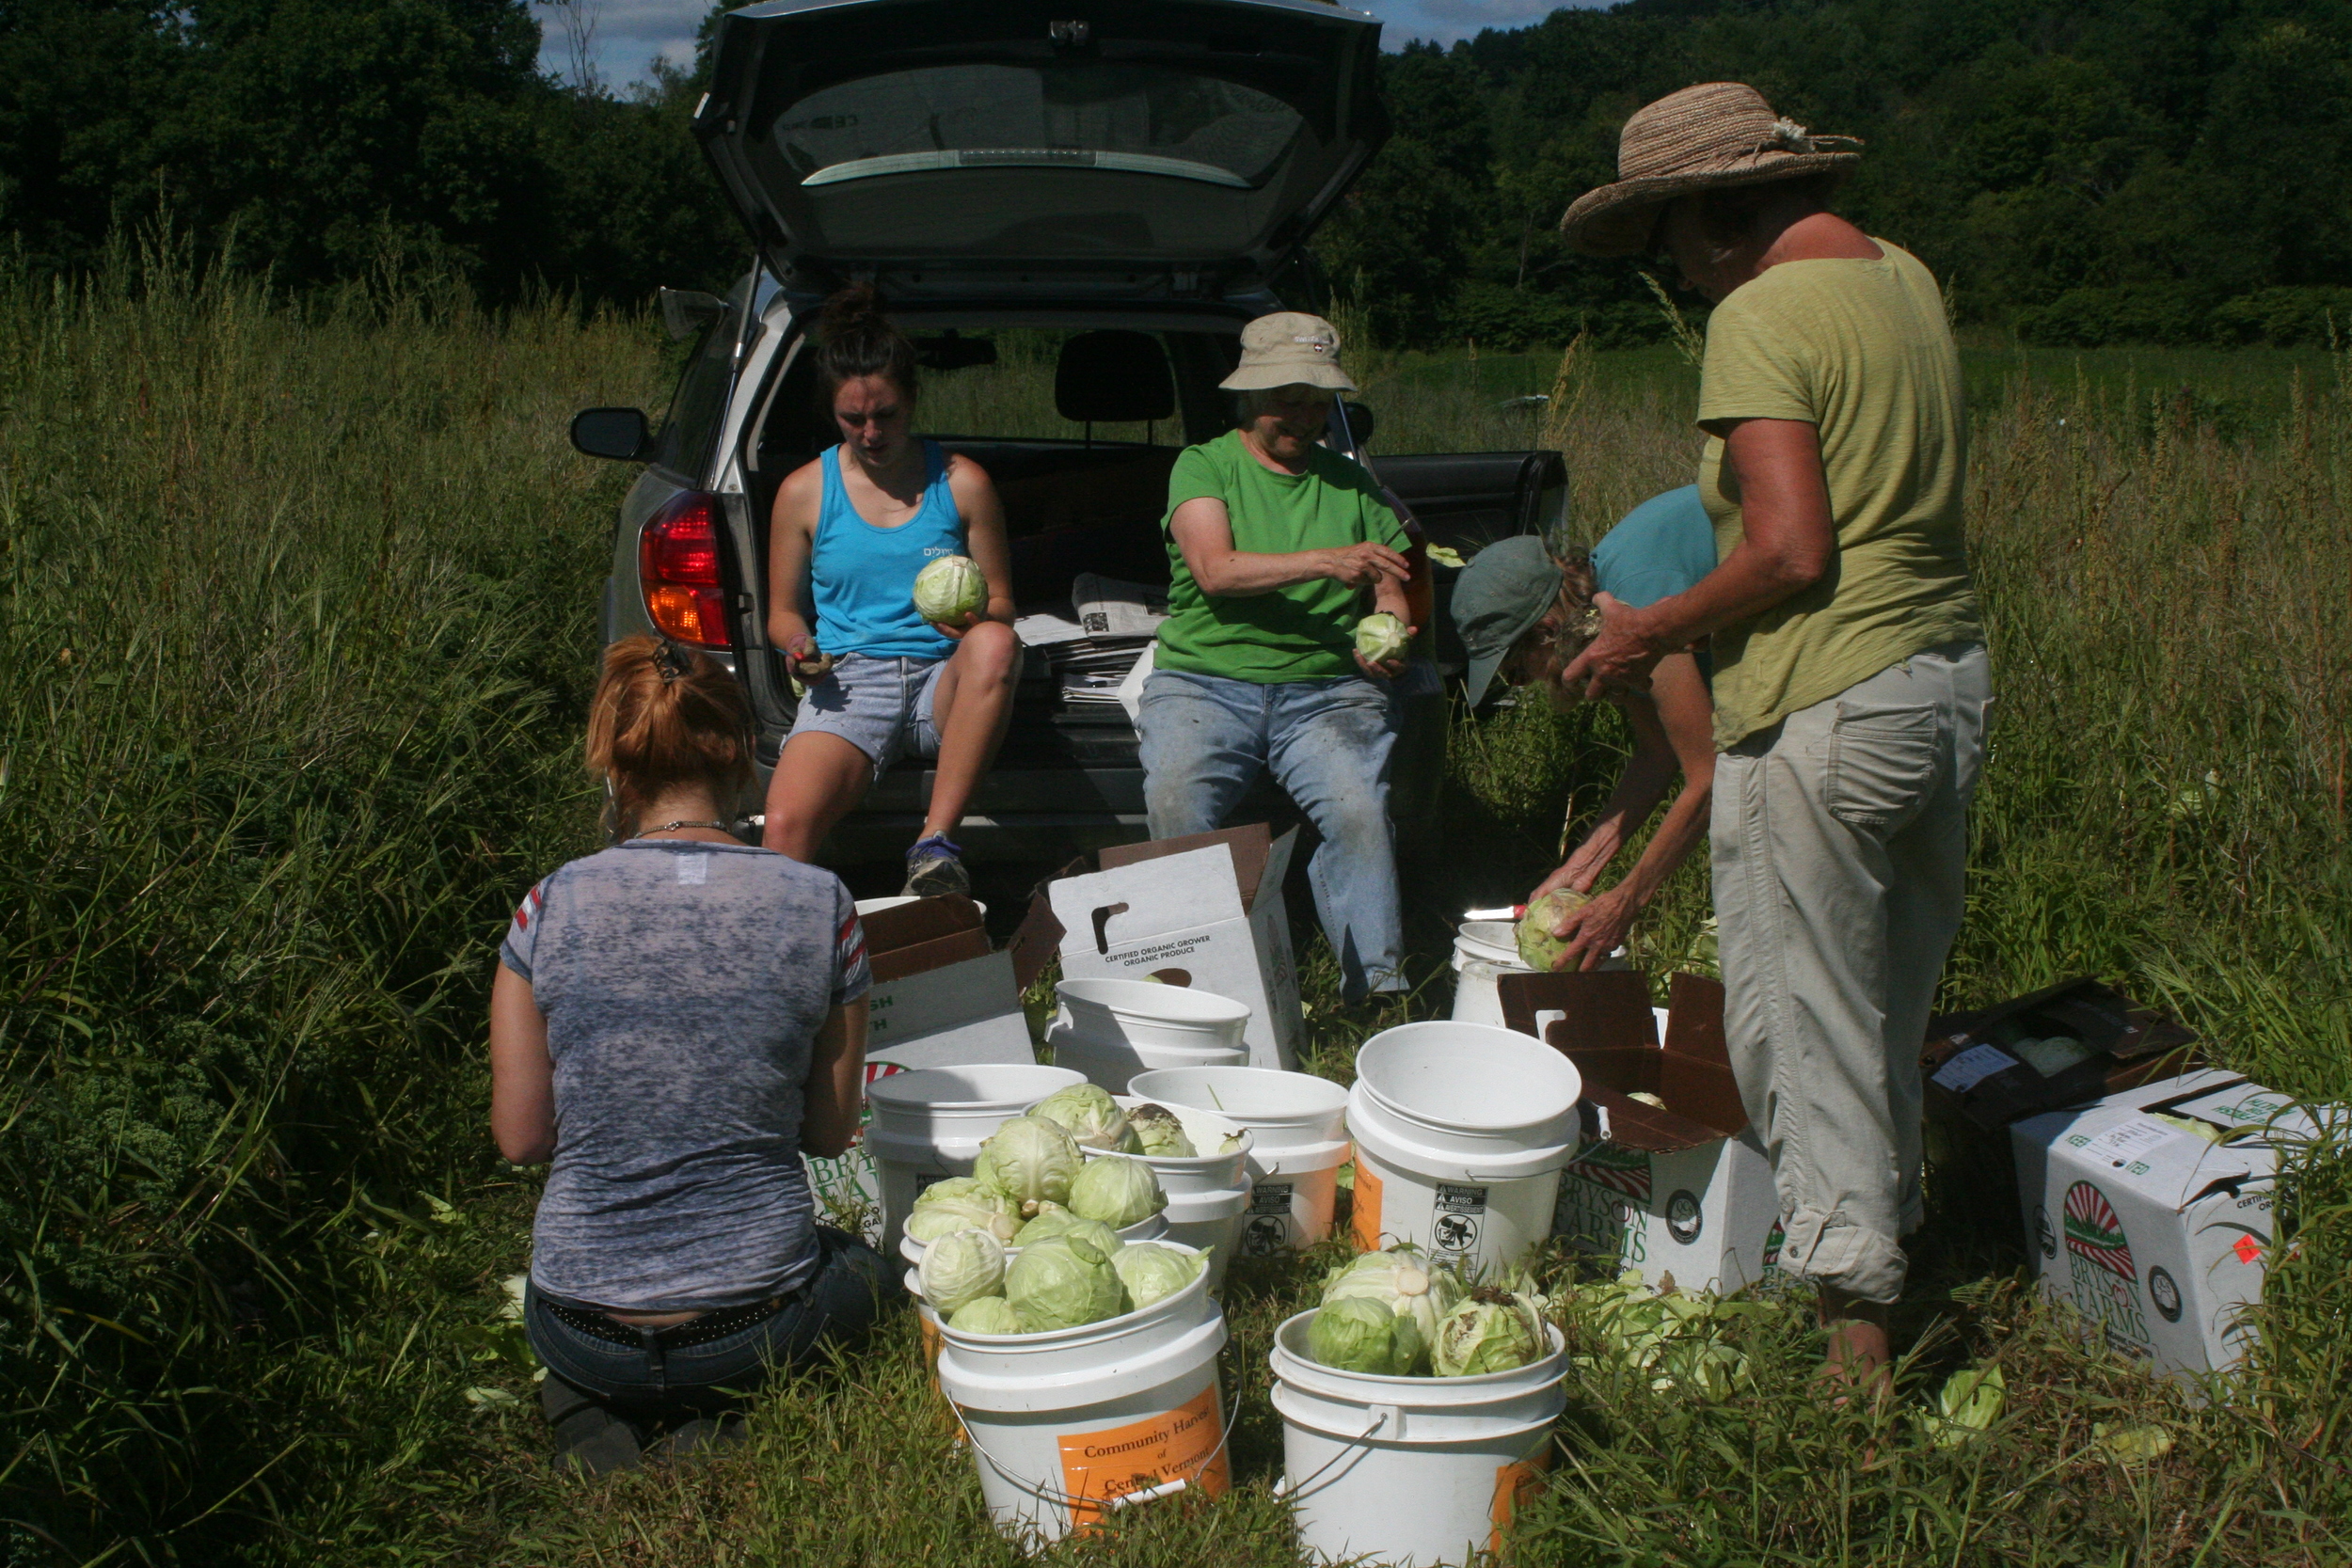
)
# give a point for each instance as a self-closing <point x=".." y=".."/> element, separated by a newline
<point x="1359" y="1335"/>
<point x="1030" y="1159"/>
<point x="1539" y="950"/>
<point x="959" y="1267"/>
<point x="1161" y="1134"/>
<point x="958" y="1202"/>
<point x="1090" y="1115"/>
<point x="1152" y="1273"/>
<point x="1380" y="638"/>
<point x="1118" y="1192"/>
<point x="985" y="1315"/>
<point x="1492" y="1331"/>
<point x="1063" y="1282"/>
<point x="950" y="589"/>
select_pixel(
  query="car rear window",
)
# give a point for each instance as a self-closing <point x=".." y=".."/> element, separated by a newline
<point x="1140" y="119"/>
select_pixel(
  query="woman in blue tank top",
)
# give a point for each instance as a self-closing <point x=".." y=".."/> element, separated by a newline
<point x="848" y="535"/>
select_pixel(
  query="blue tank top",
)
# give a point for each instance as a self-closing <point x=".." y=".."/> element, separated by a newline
<point x="861" y="577"/>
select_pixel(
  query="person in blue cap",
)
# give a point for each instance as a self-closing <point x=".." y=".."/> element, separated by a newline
<point x="1525" y="616"/>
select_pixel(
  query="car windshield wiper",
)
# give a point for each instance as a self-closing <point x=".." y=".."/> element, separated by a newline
<point x="1024" y="157"/>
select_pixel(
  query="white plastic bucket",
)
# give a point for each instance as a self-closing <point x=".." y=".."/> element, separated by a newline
<point x="1111" y="1030"/>
<point x="929" y="1124"/>
<point x="1482" y="950"/>
<point x="1299" y="1130"/>
<point x="1152" y="1228"/>
<point x="1206" y="1192"/>
<point x="1408" y="1470"/>
<point x="1069" y="1425"/>
<point x="1460" y="1132"/>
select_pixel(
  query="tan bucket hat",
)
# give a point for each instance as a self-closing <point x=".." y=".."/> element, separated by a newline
<point x="1715" y="135"/>
<point x="1289" y="348"/>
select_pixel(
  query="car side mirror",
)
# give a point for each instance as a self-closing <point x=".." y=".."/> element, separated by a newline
<point x="684" y="310"/>
<point x="1359" y="421"/>
<point x="621" y="433"/>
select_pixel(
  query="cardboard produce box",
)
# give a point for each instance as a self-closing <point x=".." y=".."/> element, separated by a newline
<point x="1987" y="1068"/>
<point x="941" y="997"/>
<point x="1684" y="1191"/>
<point x="1203" y="911"/>
<point x="2154" y="1231"/>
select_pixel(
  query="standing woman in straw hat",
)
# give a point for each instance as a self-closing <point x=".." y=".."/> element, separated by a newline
<point x="1275" y="544"/>
<point x="1850" y="680"/>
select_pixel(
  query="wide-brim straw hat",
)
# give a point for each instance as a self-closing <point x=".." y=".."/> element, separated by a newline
<point x="1706" y="137"/>
<point x="1289" y="348"/>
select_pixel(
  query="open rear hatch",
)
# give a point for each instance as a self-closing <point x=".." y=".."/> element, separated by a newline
<point x="1072" y="136"/>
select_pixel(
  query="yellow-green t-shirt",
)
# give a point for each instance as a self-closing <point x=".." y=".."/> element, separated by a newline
<point x="1304" y="632"/>
<point x="1862" y="350"/>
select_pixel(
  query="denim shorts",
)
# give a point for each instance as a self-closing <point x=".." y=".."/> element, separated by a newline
<point x="849" y="1291"/>
<point x="882" y="707"/>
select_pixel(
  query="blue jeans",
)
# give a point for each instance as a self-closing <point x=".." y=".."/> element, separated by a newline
<point x="1327" y="744"/>
<point x="840" y="1302"/>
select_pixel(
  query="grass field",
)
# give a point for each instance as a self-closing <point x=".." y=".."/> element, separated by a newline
<point x="298" y="615"/>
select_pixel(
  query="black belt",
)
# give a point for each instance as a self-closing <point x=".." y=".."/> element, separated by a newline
<point x="694" y="1331"/>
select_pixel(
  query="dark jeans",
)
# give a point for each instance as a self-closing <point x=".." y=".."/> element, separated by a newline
<point x="839" y="1303"/>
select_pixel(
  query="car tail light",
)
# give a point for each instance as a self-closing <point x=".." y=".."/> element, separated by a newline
<point x="678" y="566"/>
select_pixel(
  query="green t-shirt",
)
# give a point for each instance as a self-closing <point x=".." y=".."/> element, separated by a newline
<point x="1862" y="350"/>
<point x="1305" y="632"/>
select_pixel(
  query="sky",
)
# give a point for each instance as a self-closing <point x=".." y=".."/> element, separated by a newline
<point x="630" y="34"/>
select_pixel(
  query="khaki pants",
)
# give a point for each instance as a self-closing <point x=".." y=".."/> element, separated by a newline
<point x="1840" y="842"/>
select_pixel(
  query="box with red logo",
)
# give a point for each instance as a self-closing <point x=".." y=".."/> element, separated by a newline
<point x="2150" y="1211"/>
<point x="1679" y="1187"/>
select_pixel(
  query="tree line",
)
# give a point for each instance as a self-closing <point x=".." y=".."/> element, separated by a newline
<point x="2078" y="171"/>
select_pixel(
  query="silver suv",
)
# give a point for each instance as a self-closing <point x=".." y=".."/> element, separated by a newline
<point x="1073" y="207"/>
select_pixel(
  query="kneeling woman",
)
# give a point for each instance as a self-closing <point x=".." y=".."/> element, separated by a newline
<point x="848" y="534"/>
<point x="674" y="1023"/>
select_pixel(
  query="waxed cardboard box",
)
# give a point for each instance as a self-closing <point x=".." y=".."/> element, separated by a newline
<point x="2159" y="1238"/>
<point x="1682" y="1194"/>
<point x="1203" y="911"/>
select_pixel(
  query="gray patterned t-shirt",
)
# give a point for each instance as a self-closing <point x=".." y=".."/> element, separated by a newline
<point x="683" y="986"/>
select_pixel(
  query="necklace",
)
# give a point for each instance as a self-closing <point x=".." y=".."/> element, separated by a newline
<point x="672" y="827"/>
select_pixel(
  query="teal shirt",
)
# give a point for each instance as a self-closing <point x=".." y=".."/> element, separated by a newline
<point x="1304" y="632"/>
<point x="1661" y="547"/>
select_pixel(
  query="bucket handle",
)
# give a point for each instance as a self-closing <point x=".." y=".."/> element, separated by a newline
<point x="1055" y="1496"/>
<point x="1381" y="1415"/>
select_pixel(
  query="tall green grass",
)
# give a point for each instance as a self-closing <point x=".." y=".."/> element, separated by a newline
<point x="296" y="611"/>
<point x="298" y="615"/>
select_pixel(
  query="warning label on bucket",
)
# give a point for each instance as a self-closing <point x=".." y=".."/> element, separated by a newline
<point x="1460" y="1212"/>
<point x="1187" y="1444"/>
<point x="1268" y="1229"/>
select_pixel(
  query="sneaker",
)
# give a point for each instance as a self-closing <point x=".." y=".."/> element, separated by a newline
<point x="935" y="866"/>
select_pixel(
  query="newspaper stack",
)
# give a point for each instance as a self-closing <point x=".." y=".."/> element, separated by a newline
<point x="1091" y="651"/>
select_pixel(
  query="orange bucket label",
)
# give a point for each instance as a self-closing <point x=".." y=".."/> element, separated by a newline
<point x="1364" y="1221"/>
<point x="1515" y="1484"/>
<point x="1188" y="1444"/>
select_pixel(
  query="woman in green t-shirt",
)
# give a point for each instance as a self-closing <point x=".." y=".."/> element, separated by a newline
<point x="1275" y="544"/>
<point x="1850" y="680"/>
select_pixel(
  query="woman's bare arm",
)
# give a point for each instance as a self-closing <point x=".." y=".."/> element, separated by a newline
<point x="522" y="1079"/>
<point x="1204" y="533"/>
<point x="984" y="536"/>
<point x="791" y="532"/>
<point x="832" y="1098"/>
<point x="1788" y="541"/>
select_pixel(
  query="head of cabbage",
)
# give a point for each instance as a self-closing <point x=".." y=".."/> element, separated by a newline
<point x="1090" y="1115"/>
<point x="1160" y="1133"/>
<point x="1118" y="1191"/>
<point x="1401" y="1280"/>
<point x="1359" y="1335"/>
<point x="950" y="589"/>
<point x="1057" y="1221"/>
<point x="1030" y="1159"/>
<point x="961" y="1266"/>
<point x="985" y="1315"/>
<point x="1063" y="1282"/>
<point x="960" y="1201"/>
<point x="1380" y="638"/>
<point x="1152" y="1273"/>
<point x="1488" y="1331"/>
<point x="1538" y="948"/>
